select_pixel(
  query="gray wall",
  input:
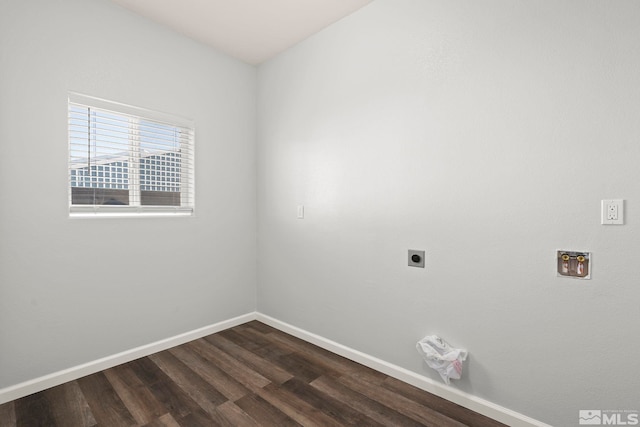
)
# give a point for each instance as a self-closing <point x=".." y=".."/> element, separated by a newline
<point x="73" y="291"/>
<point x="486" y="133"/>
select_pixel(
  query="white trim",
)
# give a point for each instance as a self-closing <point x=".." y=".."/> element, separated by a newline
<point x="461" y="398"/>
<point x="481" y="406"/>
<point x="124" y="131"/>
<point x="119" y="107"/>
<point x="99" y="211"/>
<point x="51" y="380"/>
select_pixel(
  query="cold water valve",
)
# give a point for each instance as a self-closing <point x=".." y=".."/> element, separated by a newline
<point x="574" y="264"/>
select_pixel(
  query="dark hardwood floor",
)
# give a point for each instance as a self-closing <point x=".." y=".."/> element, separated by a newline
<point x="250" y="375"/>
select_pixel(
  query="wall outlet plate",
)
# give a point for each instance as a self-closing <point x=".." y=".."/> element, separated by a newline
<point x="612" y="212"/>
<point x="416" y="258"/>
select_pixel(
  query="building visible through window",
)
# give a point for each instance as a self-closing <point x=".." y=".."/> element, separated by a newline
<point x="124" y="162"/>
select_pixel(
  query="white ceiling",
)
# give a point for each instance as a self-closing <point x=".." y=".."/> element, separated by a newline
<point x="250" y="30"/>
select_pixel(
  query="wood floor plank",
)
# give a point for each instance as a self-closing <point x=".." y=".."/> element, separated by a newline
<point x="236" y="416"/>
<point x="69" y="406"/>
<point x="328" y="405"/>
<point x="176" y="400"/>
<point x="247" y="377"/>
<point x="257" y="326"/>
<point x="165" y="420"/>
<point x="411" y="409"/>
<point x="106" y="406"/>
<point x="197" y="388"/>
<point x="208" y="371"/>
<point x="260" y="409"/>
<point x="198" y="419"/>
<point x="314" y="354"/>
<point x="34" y="410"/>
<point x="140" y="402"/>
<point x="8" y="415"/>
<point x="172" y="397"/>
<point x="250" y="343"/>
<point x="296" y="408"/>
<point x="363" y="404"/>
<point x="439" y="404"/>
<point x="267" y="348"/>
<point x="299" y="367"/>
<point x="264" y="367"/>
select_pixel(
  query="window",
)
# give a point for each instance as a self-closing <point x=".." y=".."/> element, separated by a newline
<point x="125" y="160"/>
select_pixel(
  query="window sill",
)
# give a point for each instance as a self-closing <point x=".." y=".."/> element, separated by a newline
<point x="128" y="212"/>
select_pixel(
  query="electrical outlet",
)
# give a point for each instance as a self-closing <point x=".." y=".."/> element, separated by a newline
<point x="612" y="212"/>
<point x="416" y="258"/>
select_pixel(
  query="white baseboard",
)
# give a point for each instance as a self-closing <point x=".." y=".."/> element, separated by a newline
<point x="42" y="383"/>
<point x="481" y="406"/>
<point x="466" y="400"/>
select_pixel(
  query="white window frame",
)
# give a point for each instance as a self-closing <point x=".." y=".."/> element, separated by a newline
<point x="135" y="209"/>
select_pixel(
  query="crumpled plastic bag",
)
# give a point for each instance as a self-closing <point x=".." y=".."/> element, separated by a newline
<point x="442" y="357"/>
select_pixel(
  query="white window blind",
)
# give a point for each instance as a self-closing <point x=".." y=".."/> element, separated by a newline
<point x="126" y="160"/>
